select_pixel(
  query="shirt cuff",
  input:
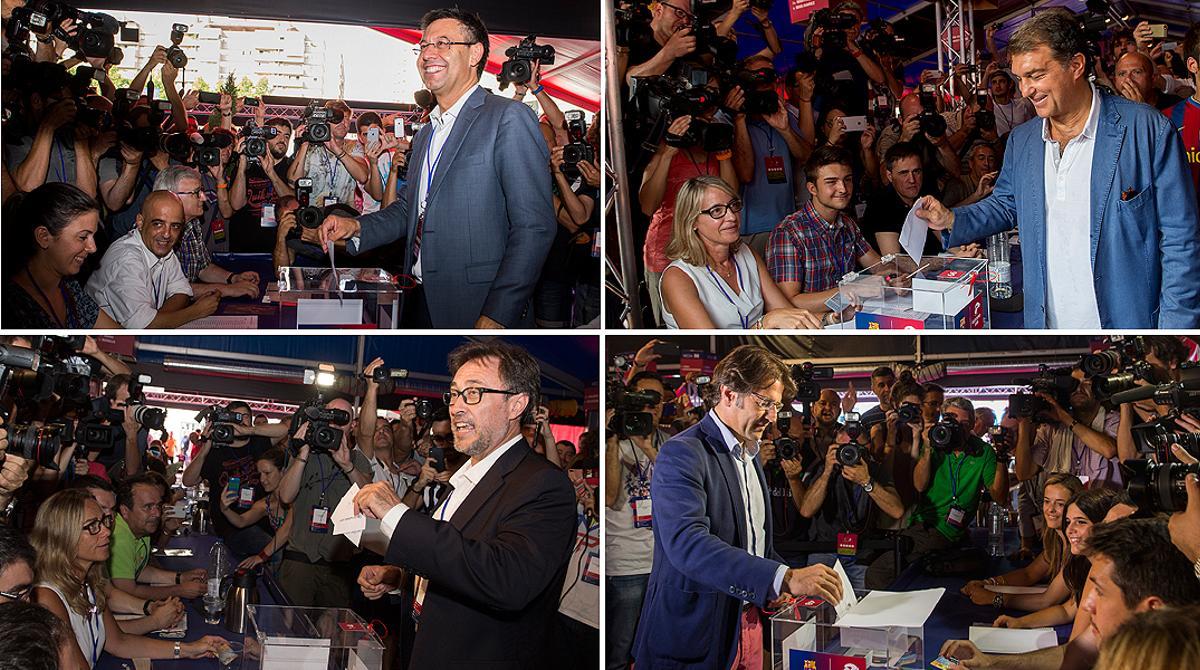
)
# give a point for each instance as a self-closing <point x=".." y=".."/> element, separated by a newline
<point x="777" y="587"/>
<point x="356" y="240"/>
<point x="387" y="525"/>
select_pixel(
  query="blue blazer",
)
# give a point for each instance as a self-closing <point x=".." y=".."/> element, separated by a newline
<point x="1145" y="250"/>
<point x="489" y="221"/>
<point x="702" y="571"/>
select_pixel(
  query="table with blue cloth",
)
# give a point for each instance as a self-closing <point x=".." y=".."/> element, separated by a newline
<point x="268" y="594"/>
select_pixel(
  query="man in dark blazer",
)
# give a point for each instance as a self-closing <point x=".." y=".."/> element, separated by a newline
<point x="714" y="564"/>
<point x="491" y="559"/>
<point x="476" y="215"/>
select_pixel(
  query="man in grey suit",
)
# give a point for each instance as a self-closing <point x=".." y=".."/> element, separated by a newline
<point x="476" y="214"/>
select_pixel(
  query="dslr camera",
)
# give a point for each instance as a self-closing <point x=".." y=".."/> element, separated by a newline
<point x="578" y="150"/>
<point x="309" y="216"/>
<point x="255" y="146"/>
<point x="175" y="55"/>
<point x="852" y="453"/>
<point x="1127" y="357"/>
<point x="518" y="69"/>
<point x="808" y="390"/>
<point x="947" y="434"/>
<point x="932" y="122"/>
<point x="909" y="412"/>
<point x="985" y="119"/>
<point x="40" y="444"/>
<point x="428" y="408"/>
<point x="786" y="447"/>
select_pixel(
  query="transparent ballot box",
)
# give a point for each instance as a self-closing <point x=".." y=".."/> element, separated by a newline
<point x="309" y="638"/>
<point x="323" y="297"/>
<point x="941" y="293"/>
<point x="806" y="638"/>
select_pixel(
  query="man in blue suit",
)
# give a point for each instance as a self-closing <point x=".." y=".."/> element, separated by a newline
<point x="1100" y="191"/>
<point x="714" y="565"/>
<point x="476" y="215"/>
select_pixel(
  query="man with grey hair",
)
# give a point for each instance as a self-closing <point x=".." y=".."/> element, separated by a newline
<point x="952" y="470"/>
<point x="139" y="281"/>
<point x="1101" y="193"/>
<point x="195" y="258"/>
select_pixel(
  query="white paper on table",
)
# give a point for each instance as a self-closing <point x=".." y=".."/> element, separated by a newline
<point x="226" y="322"/>
<point x="848" y="598"/>
<point x="295" y="653"/>
<point x="1012" y="640"/>
<point x="1018" y="590"/>
<point x="803" y="639"/>
<point x="328" y="312"/>
<point x="913" y="234"/>
<point x="881" y="609"/>
<point x="362" y="531"/>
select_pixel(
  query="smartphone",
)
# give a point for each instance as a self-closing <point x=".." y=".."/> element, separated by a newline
<point x="1158" y="30"/>
<point x="855" y="124"/>
<point x="268" y="217"/>
<point x="372" y="136"/>
<point x="1170" y="46"/>
<point x="667" y="350"/>
<point x="210" y="98"/>
<point x="399" y="128"/>
<point x="235" y="484"/>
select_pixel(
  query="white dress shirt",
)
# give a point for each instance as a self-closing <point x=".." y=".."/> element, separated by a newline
<point x="443" y="123"/>
<point x="463" y="482"/>
<point x="132" y="284"/>
<point x="753" y="495"/>
<point x="1070" y="282"/>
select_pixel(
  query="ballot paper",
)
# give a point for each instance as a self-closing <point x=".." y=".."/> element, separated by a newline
<point x="913" y="234"/>
<point x="357" y="528"/>
<point x="1012" y="640"/>
<point x="881" y="609"/>
<point x="848" y="600"/>
<point x="1018" y="590"/>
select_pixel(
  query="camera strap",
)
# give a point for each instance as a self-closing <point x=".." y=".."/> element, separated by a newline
<point x="61" y="171"/>
<point x="955" y="473"/>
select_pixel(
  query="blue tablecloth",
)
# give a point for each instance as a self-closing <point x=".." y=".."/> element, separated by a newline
<point x="268" y="594"/>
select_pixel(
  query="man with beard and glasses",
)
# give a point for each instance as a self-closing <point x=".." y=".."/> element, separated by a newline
<point x="257" y="183"/>
<point x="139" y="503"/>
<point x="492" y="556"/>
<point x="715" y="566"/>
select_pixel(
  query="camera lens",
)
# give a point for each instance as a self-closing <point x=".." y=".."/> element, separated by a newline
<point x="849" y="455"/>
<point x="909" y="413"/>
<point x="786" y="449"/>
<point x="150" y="417"/>
<point x="222" y="433"/>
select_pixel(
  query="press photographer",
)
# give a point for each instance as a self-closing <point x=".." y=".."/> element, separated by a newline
<point x="261" y="179"/>
<point x="836" y="57"/>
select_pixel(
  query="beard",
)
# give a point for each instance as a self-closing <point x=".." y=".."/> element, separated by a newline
<point x="485" y="440"/>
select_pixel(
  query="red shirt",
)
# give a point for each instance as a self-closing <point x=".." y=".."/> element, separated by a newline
<point x="1186" y="117"/>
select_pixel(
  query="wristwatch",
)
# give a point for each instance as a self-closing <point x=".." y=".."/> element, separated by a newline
<point x="178" y="649"/>
<point x="869" y="486"/>
<point x="998" y="601"/>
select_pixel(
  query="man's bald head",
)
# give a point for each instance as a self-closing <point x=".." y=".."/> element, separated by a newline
<point x="1138" y="70"/>
<point x="910" y="106"/>
<point x="161" y="222"/>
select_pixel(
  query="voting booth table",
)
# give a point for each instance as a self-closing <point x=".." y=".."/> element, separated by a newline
<point x="903" y="293"/>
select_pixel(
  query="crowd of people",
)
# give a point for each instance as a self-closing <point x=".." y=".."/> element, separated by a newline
<point x="124" y="195"/>
<point x="729" y="496"/>
<point x="481" y="510"/>
<point x="759" y="185"/>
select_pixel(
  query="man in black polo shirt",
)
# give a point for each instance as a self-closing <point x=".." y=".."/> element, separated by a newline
<point x="882" y="380"/>
<point x="217" y="464"/>
<point x="884" y="218"/>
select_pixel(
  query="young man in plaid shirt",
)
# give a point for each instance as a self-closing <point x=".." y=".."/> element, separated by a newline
<point x="813" y="248"/>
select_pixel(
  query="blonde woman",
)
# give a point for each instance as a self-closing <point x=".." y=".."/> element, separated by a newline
<point x="1161" y="639"/>
<point x="71" y="535"/>
<point x="715" y="281"/>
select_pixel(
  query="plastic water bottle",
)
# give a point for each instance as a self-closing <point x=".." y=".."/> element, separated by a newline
<point x="218" y="568"/>
<point x="999" y="268"/>
<point x="996" y="530"/>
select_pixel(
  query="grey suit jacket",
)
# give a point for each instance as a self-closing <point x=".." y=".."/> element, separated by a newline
<point x="489" y="220"/>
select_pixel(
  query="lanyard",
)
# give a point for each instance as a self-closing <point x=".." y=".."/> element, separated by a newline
<point x="158" y="283"/>
<point x="93" y="617"/>
<point x="706" y="171"/>
<point x="431" y="167"/>
<point x="770" y="137"/>
<point x="62" y="162"/>
<point x="954" y="475"/>
<point x="444" y="505"/>
<point x="331" y="167"/>
<point x="276" y="522"/>
<point x="68" y="302"/>
<point x="325" y="483"/>
<point x="744" y="319"/>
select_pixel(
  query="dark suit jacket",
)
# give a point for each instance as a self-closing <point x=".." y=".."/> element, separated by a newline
<point x="489" y="221"/>
<point x="702" y="571"/>
<point x="495" y="569"/>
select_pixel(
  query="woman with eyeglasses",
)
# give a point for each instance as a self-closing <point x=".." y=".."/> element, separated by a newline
<point x="682" y="155"/>
<point x="71" y="536"/>
<point x="58" y="224"/>
<point x="271" y="508"/>
<point x="715" y="281"/>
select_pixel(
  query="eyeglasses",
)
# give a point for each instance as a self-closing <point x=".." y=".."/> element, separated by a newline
<point x="440" y="46"/>
<point x="679" y="13"/>
<point x="195" y="194"/>
<point x="22" y="594"/>
<point x="93" y="526"/>
<point x="471" y="395"/>
<point x="718" y="211"/>
<point x="766" y="403"/>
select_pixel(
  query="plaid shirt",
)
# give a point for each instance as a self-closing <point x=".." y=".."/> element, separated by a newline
<point x="192" y="250"/>
<point x="806" y="249"/>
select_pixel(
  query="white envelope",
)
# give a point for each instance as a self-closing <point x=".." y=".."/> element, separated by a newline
<point x="1012" y="640"/>
<point x="359" y="529"/>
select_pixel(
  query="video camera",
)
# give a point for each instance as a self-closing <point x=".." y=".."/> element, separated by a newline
<point x="1183" y="397"/>
<point x="1057" y="382"/>
<point x="932" y="121"/>
<point x="1126" y="356"/>
<point x="222" y="419"/>
<point x="1157" y="487"/>
<point x="578" y="150"/>
<point x="175" y="55"/>
<point x="881" y="38"/>
<point x="808" y="390"/>
<point x="630" y="418"/>
<point x="832" y="23"/>
<point x="95" y="33"/>
<point x="322" y="434"/>
<point x="518" y="69"/>
<point x="51" y="367"/>
<point x="317" y="122"/>
<point x="633" y="19"/>
<point x="255" y="146"/>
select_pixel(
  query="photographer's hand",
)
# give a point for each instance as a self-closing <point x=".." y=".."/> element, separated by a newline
<point x="681" y="43"/>
<point x="370" y="370"/>
<point x="590" y="172"/>
<point x="909" y="129"/>
<point x="859" y="474"/>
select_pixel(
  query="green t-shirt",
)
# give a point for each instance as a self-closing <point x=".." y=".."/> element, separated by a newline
<point x="128" y="555"/>
<point x="958" y="479"/>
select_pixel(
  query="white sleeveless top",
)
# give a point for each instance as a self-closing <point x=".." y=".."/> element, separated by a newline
<point x="725" y="309"/>
<point x="89" y="631"/>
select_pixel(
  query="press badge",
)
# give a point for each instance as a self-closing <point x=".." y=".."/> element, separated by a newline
<point x="847" y="544"/>
<point x="329" y="201"/>
<point x="218" y="230"/>
<point x="246" y="496"/>
<point x="641" y="512"/>
<point x="320" y="520"/>
<point x="591" y="568"/>
<point x="957" y="517"/>
<point x="774" y="167"/>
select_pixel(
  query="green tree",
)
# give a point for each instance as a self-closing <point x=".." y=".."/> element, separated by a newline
<point x="245" y="87"/>
<point x="229" y="87"/>
<point x="262" y="87"/>
<point x="119" y="79"/>
<point x="201" y="85"/>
